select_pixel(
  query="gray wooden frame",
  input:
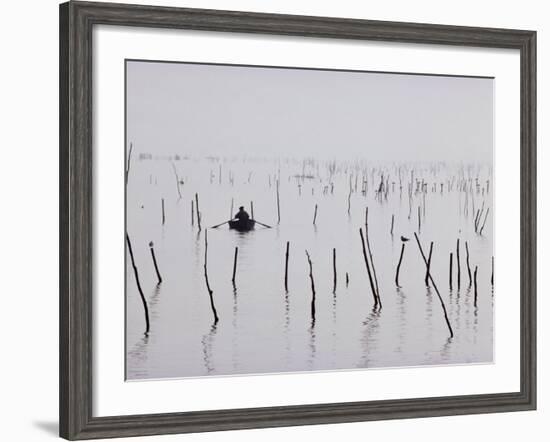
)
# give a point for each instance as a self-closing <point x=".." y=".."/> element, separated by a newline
<point x="76" y="164"/>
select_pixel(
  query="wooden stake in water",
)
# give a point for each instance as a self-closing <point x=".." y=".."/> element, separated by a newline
<point x="370" y="255"/>
<point x="252" y="209"/>
<point x="427" y="277"/>
<point x="372" y="265"/>
<point x="315" y="214"/>
<point x="192" y="213"/>
<point x="451" y="270"/>
<point x="177" y="179"/>
<point x="392" y="221"/>
<point x="435" y="287"/>
<point x="312" y="288"/>
<point x="163" y="216"/>
<point x="235" y="264"/>
<point x="159" y="278"/>
<point x="197" y="210"/>
<point x="399" y="265"/>
<point x="484" y="221"/>
<point x="475" y="287"/>
<point x="334" y="270"/>
<point x="286" y="265"/>
<point x="143" y="300"/>
<point x="347" y="279"/>
<point x="128" y="166"/>
<point x="468" y="264"/>
<point x="492" y="270"/>
<point x="210" y="292"/>
<point x="458" y="264"/>
<point x="478" y="216"/>
<point x="365" y="257"/>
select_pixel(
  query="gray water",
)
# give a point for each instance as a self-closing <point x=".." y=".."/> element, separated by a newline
<point x="264" y="329"/>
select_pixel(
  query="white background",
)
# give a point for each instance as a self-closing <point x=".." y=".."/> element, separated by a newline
<point x="28" y="178"/>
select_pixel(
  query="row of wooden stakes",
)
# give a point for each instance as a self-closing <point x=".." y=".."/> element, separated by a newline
<point x="369" y="263"/>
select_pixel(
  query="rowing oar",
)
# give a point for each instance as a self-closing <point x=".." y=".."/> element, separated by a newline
<point x="215" y="227"/>
<point x="262" y="224"/>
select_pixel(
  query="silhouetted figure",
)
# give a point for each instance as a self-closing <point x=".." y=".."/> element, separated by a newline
<point x="404" y="239"/>
<point x="242" y="215"/>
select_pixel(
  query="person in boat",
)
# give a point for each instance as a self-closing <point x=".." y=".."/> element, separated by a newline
<point x="242" y="215"/>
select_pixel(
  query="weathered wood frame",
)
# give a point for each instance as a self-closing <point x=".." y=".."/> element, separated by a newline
<point x="76" y="243"/>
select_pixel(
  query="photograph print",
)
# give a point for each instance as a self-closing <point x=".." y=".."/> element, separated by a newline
<point x="285" y="219"/>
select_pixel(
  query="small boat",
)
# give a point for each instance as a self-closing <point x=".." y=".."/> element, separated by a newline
<point x="242" y="225"/>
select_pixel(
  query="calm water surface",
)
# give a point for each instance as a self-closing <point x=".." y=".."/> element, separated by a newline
<point x="264" y="329"/>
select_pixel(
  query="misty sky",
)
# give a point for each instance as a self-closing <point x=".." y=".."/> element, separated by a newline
<point x="201" y="110"/>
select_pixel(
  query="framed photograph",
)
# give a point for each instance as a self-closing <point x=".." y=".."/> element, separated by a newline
<point x="271" y="220"/>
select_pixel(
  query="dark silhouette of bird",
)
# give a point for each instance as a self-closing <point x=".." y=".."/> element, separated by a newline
<point x="404" y="239"/>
